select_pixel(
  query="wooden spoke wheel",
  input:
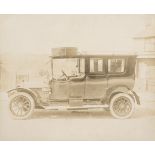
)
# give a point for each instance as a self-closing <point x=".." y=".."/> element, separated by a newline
<point x="21" y="105"/>
<point x="122" y="106"/>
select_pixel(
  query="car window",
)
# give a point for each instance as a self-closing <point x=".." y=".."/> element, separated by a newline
<point x="82" y="66"/>
<point x="116" y="65"/>
<point x="96" y="65"/>
<point x="69" y="66"/>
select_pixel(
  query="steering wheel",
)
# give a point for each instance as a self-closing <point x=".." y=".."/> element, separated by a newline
<point x="64" y="74"/>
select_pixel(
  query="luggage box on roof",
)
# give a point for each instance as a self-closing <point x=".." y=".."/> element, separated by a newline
<point x="64" y="52"/>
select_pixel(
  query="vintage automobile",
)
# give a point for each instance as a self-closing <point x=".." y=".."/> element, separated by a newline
<point x="97" y="81"/>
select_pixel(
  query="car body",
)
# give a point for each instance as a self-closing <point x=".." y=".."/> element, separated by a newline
<point x="100" y="81"/>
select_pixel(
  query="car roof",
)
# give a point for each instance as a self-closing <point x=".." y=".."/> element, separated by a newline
<point x="72" y="52"/>
<point x="79" y="55"/>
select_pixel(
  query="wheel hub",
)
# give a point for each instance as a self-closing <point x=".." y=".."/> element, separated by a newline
<point x="122" y="106"/>
<point x="20" y="106"/>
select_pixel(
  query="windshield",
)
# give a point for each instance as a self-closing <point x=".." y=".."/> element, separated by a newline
<point x="71" y="66"/>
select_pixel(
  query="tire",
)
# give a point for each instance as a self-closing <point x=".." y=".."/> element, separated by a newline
<point x="21" y="105"/>
<point x="122" y="106"/>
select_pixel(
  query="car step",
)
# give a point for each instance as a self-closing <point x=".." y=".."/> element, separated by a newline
<point x="75" y="107"/>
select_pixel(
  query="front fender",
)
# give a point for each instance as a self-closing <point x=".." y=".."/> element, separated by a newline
<point x="26" y="90"/>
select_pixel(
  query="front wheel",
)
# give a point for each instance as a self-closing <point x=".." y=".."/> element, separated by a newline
<point x="122" y="106"/>
<point x="21" y="105"/>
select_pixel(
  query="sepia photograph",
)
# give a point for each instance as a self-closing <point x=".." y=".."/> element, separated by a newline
<point x="81" y="77"/>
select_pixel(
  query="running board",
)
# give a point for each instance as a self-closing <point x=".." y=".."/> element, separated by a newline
<point x="75" y="107"/>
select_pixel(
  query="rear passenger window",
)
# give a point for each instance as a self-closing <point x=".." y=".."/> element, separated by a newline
<point x="116" y="65"/>
<point x="96" y="65"/>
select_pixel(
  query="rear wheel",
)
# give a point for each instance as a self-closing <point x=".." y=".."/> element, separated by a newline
<point x="21" y="105"/>
<point x="122" y="106"/>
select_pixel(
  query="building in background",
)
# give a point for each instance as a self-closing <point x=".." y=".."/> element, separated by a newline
<point x="146" y="59"/>
<point x="7" y="77"/>
<point x="22" y="69"/>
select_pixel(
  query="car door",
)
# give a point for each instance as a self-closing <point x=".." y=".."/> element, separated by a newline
<point x="77" y="83"/>
<point x="96" y="81"/>
<point x="76" y="87"/>
<point x="119" y="75"/>
<point x="60" y="89"/>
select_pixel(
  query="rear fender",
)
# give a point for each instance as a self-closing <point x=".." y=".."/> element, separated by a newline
<point x="134" y="96"/>
<point x="125" y="90"/>
<point x="116" y="90"/>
